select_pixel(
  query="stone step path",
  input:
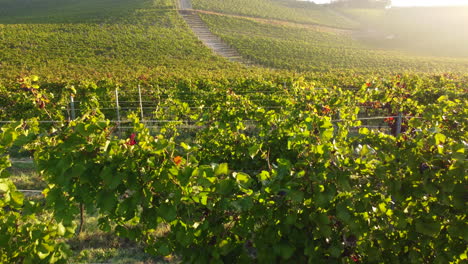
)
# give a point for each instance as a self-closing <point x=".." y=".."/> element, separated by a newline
<point x="203" y="33"/>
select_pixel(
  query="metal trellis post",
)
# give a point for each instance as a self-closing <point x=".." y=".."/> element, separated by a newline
<point x="117" y="108"/>
<point x="141" y="103"/>
<point x="399" y="121"/>
<point x="72" y="108"/>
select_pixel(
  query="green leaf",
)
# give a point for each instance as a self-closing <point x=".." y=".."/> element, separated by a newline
<point x="45" y="248"/>
<point x="117" y="179"/>
<point x="335" y="251"/>
<point x="184" y="175"/>
<point x="107" y="175"/>
<point x="185" y="146"/>
<point x="4" y="187"/>
<point x="221" y="169"/>
<point x="364" y="131"/>
<point x="17" y="198"/>
<point x="183" y="238"/>
<point x="149" y="216"/>
<point x="443" y="99"/>
<point x="343" y="213"/>
<point x="168" y="212"/>
<point x="204" y="199"/>
<point x="4" y="173"/>
<point x="264" y="177"/>
<point x="61" y="230"/>
<point x="459" y="154"/>
<point x="243" y="179"/>
<point x="121" y="231"/>
<point x="326" y="135"/>
<point x="42" y="255"/>
<point x="296" y="196"/>
<point x="428" y="228"/>
<point x="225" y="187"/>
<point x="164" y="250"/>
<point x="383" y="207"/>
<point x="285" y="250"/>
<point x="106" y="201"/>
<point x="77" y="170"/>
<point x="253" y="150"/>
<point x="459" y="230"/>
<point x="440" y="138"/>
<point x="244" y="204"/>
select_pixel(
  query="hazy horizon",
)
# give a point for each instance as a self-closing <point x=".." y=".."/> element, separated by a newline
<point x="415" y="2"/>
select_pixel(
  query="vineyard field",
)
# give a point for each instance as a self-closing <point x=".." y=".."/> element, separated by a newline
<point x="118" y="43"/>
<point x="124" y="139"/>
<point x="309" y="49"/>
<point x="287" y="10"/>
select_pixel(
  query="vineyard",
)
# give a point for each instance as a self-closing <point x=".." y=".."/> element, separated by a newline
<point x="309" y="49"/>
<point x="124" y="140"/>
<point x="259" y="168"/>
<point x="286" y="10"/>
<point x="121" y="44"/>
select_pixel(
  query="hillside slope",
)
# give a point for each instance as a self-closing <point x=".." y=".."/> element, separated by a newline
<point x="310" y="49"/>
<point x="99" y="38"/>
<point x="288" y="10"/>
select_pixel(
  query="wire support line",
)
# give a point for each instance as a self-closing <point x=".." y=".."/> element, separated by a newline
<point x="30" y="161"/>
<point x="185" y="126"/>
<point x="31" y="121"/>
<point x="196" y="121"/>
<point x="375" y="118"/>
<point x="31" y="191"/>
<point x="168" y="107"/>
<point x="266" y="92"/>
<point x="280" y="89"/>
<point x="202" y="100"/>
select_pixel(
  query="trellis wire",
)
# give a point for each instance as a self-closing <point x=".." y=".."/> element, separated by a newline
<point x="195" y="121"/>
<point x="118" y="108"/>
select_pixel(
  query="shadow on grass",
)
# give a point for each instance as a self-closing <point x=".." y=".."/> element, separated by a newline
<point x="96" y="246"/>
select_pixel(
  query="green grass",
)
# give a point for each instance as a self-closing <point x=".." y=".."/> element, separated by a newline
<point x="25" y="176"/>
<point x="96" y="246"/>
<point x="289" y="10"/>
<point x="309" y="49"/>
<point x="28" y="181"/>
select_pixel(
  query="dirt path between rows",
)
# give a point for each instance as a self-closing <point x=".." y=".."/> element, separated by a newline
<point x="185" y="4"/>
<point x="201" y="30"/>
